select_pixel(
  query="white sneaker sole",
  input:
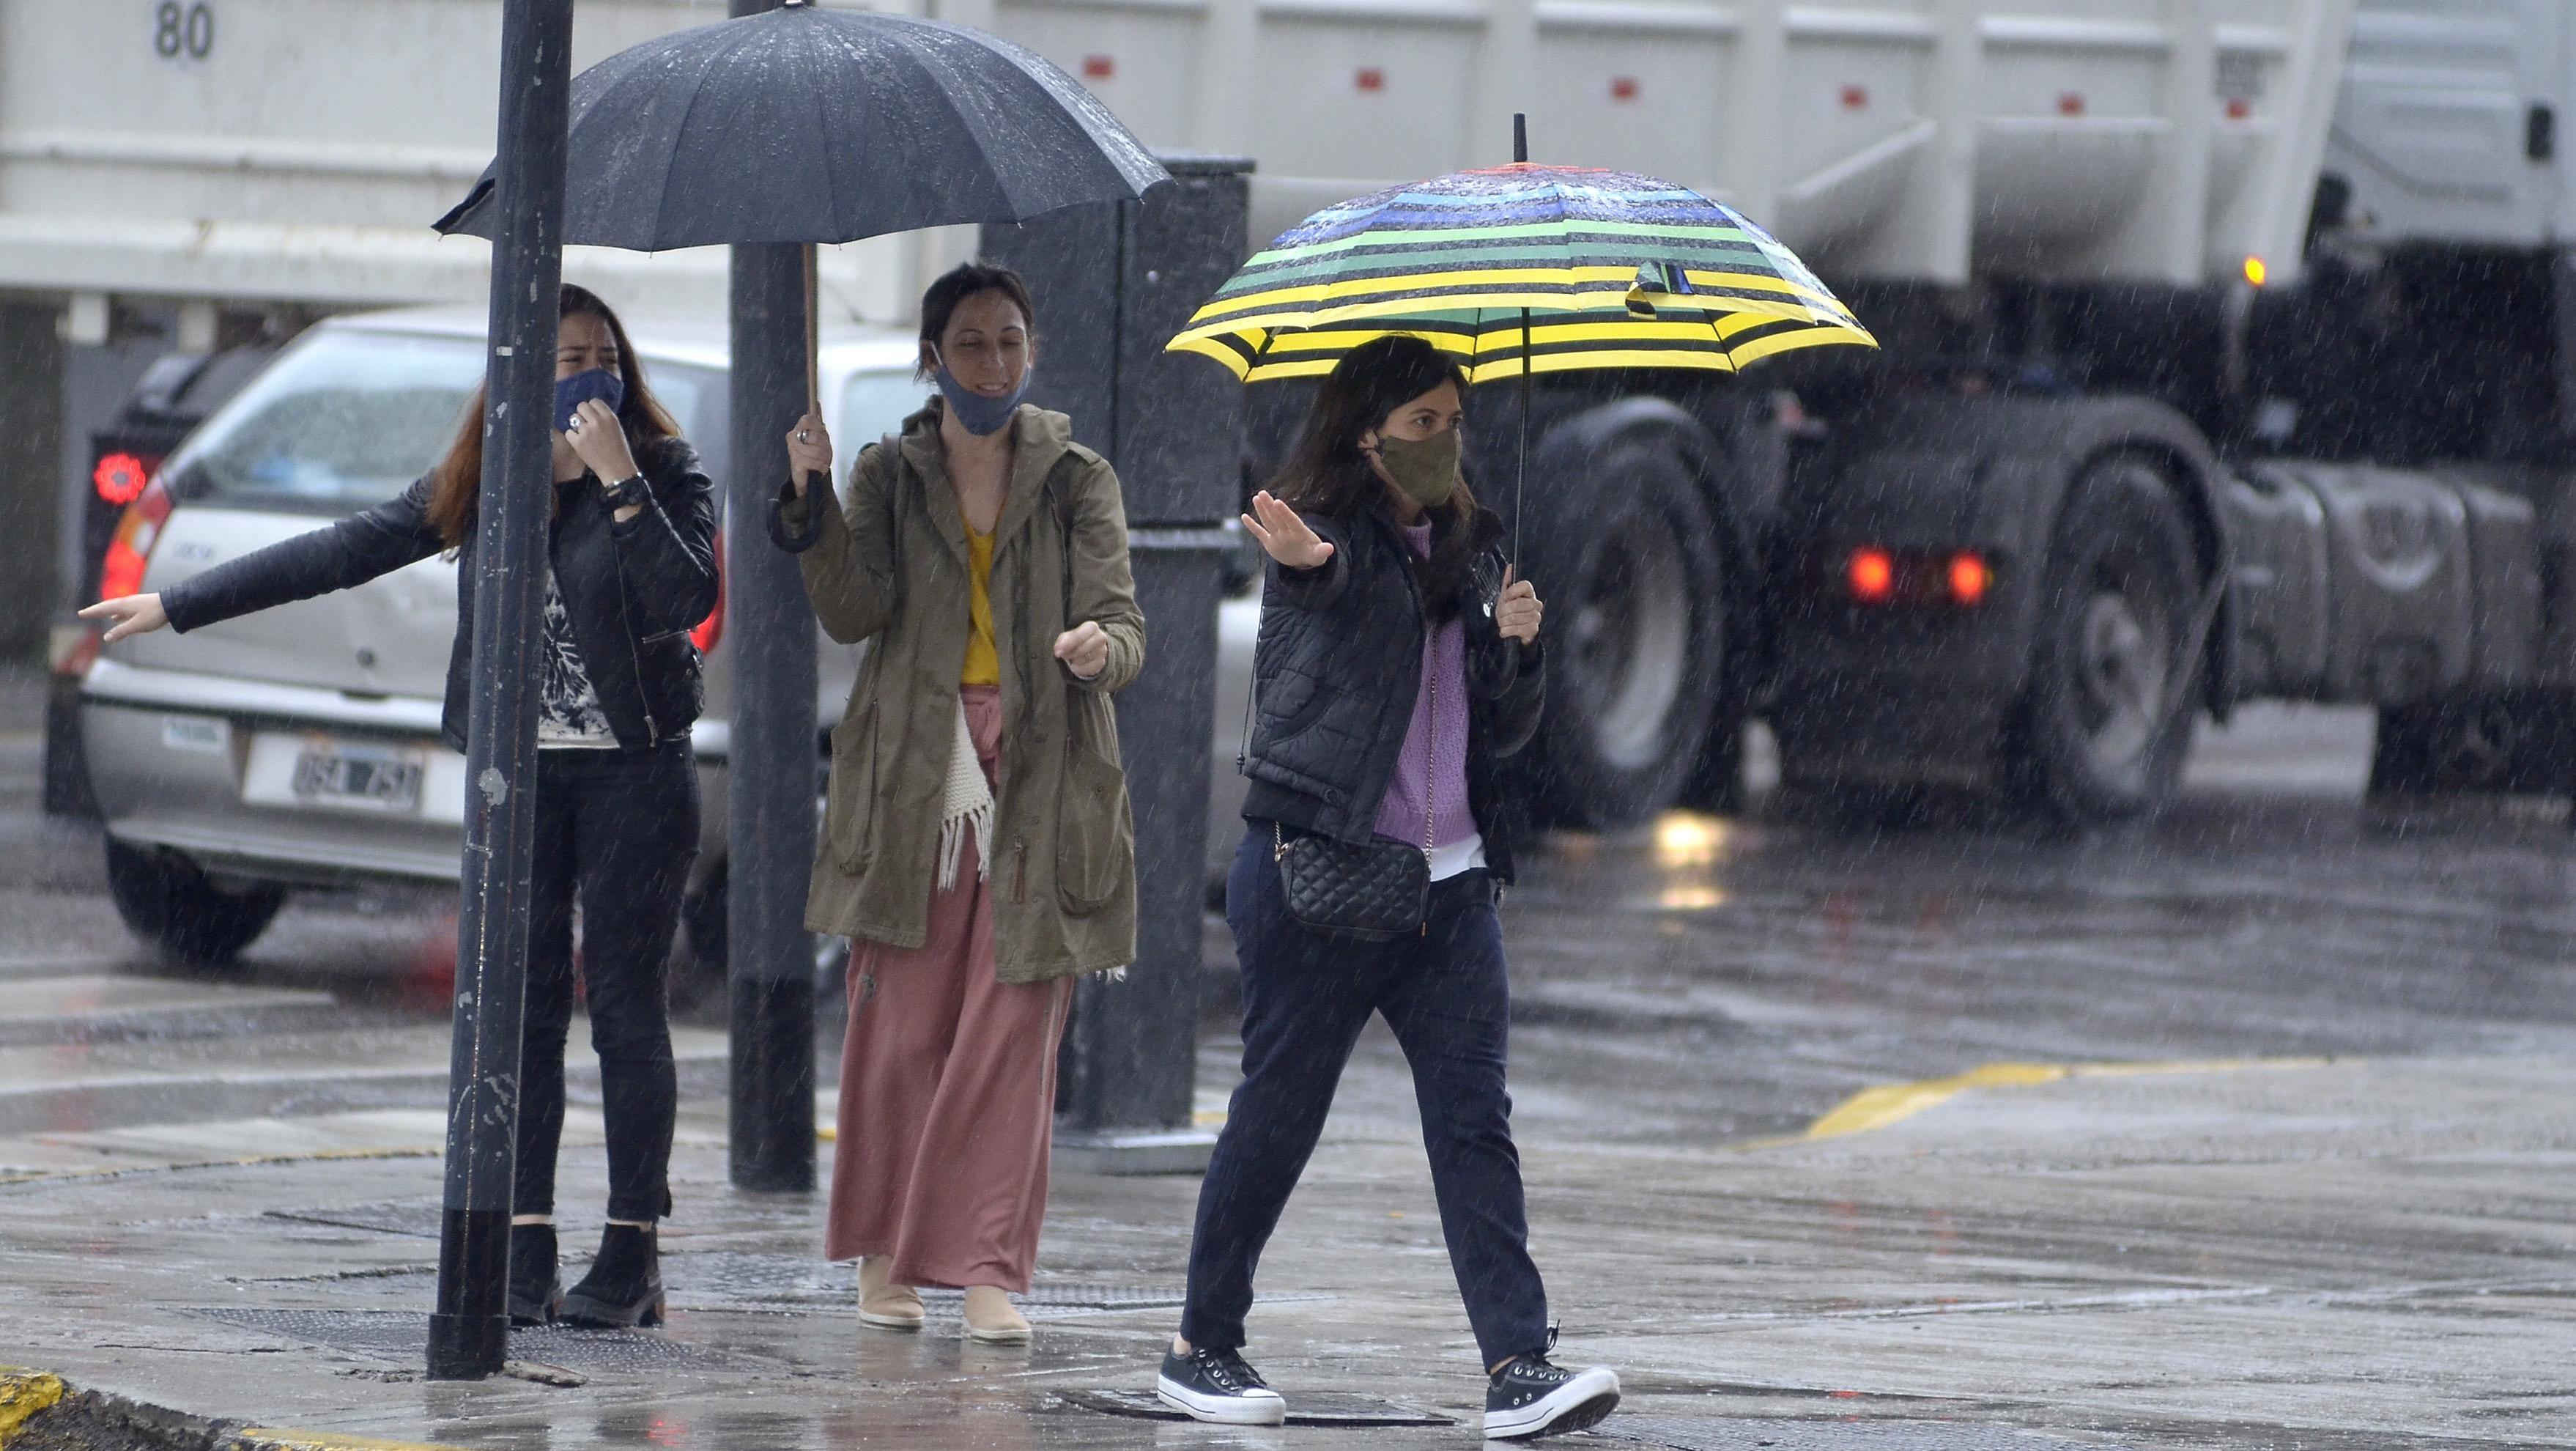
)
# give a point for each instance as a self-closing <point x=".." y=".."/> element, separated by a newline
<point x="1577" y="1405"/>
<point x="875" y="1321"/>
<point x="1262" y="1408"/>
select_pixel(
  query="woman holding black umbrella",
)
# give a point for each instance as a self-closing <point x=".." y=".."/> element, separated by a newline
<point x="631" y="568"/>
<point x="976" y="843"/>
<point x="1398" y="670"/>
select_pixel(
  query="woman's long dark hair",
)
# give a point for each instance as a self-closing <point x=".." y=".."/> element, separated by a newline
<point x="456" y="484"/>
<point x="1327" y="474"/>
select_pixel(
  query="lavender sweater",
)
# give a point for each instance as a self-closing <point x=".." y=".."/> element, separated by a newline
<point x="1433" y="763"/>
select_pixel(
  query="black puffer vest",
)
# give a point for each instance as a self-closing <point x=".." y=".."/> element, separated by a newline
<point x="1339" y="666"/>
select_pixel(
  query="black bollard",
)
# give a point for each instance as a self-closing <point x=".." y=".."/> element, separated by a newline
<point x="469" y="1333"/>
<point x="1114" y="283"/>
<point x="769" y="785"/>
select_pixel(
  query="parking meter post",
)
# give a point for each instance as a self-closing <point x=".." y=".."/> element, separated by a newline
<point x="771" y="782"/>
<point x="1115" y="282"/>
<point x="470" y="1328"/>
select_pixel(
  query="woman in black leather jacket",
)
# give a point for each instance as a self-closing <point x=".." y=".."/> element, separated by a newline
<point x="631" y="569"/>
<point x="1398" y="668"/>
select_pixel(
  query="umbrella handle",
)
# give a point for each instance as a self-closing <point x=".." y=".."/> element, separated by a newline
<point x="813" y="374"/>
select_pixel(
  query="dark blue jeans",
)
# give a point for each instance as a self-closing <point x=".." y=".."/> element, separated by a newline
<point x="1305" y="999"/>
<point x="617" y="831"/>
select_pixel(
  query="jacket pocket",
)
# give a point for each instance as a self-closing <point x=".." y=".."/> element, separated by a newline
<point x="849" y="803"/>
<point x="1095" y="833"/>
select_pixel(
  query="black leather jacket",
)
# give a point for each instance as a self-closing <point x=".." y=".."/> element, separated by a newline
<point x="634" y="590"/>
<point x="1339" y="666"/>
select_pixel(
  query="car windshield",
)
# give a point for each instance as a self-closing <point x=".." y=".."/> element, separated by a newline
<point x="874" y="404"/>
<point x="343" y="420"/>
<point x="348" y="418"/>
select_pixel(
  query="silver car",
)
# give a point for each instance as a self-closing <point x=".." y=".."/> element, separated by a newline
<point x="299" y="746"/>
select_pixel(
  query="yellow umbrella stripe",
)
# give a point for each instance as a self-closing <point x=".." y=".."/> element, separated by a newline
<point x="1503" y="311"/>
<point x="1536" y="289"/>
<point x="1560" y="290"/>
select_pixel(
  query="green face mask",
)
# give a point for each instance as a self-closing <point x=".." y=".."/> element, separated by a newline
<point x="1424" y="470"/>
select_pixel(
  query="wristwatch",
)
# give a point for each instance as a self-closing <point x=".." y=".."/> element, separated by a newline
<point x="625" y="491"/>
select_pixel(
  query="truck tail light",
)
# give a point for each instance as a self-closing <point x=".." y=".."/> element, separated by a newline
<point x="1969" y="578"/>
<point x="711" y="629"/>
<point x="130" y="551"/>
<point x="1873" y="576"/>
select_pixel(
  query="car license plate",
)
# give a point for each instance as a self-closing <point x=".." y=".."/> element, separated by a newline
<point x="370" y="778"/>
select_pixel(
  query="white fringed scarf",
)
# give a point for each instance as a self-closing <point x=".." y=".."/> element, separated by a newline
<point x="965" y="802"/>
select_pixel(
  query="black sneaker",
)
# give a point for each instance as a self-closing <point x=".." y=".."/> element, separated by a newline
<point x="1529" y="1398"/>
<point x="1215" y="1385"/>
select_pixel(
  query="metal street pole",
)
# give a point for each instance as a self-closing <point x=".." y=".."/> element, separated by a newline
<point x="770" y="781"/>
<point x="469" y="1333"/>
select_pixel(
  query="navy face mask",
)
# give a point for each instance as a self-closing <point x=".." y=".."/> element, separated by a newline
<point x="572" y="392"/>
<point x="982" y="416"/>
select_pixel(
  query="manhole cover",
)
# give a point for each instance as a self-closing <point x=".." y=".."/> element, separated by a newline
<point x="1708" y="1433"/>
<point x="404" y="1335"/>
<point x="419" y="1218"/>
<point x="1304" y="1409"/>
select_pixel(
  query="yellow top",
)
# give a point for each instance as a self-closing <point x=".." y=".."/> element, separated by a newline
<point x="983" y="662"/>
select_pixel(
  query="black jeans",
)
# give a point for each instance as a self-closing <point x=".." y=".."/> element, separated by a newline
<point x="618" y="830"/>
<point x="1305" y="999"/>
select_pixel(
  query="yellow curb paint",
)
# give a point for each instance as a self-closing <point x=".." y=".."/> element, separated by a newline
<point x="1876" y="1108"/>
<point x="262" y="1438"/>
<point x="23" y="1393"/>
<point x="827" y="1134"/>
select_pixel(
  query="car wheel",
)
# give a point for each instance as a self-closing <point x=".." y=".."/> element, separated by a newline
<point x="698" y="974"/>
<point x="1629" y="563"/>
<point x="169" y="902"/>
<point x="2107" y="716"/>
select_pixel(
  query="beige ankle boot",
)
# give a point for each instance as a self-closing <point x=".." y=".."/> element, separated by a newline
<point x="991" y="1318"/>
<point x="883" y="1303"/>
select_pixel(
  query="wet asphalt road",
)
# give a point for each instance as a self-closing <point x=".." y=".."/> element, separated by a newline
<point x="1704" y="980"/>
<point x="2192" y="1261"/>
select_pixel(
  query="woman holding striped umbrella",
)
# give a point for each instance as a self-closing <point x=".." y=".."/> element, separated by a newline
<point x="1398" y="669"/>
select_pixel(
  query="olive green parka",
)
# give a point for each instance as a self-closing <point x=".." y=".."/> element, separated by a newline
<point x="890" y="568"/>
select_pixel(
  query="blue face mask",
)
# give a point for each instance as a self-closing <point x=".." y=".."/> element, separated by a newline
<point x="572" y="392"/>
<point x="982" y="416"/>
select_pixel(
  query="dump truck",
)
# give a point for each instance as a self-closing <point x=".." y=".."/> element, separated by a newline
<point x="2220" y="339"/>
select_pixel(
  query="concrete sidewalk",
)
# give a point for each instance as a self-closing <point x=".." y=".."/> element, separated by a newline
<point x="2306" y="1254"/>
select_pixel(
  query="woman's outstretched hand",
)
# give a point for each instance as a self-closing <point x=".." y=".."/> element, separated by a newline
<point x="1284" y="535"/>
<point x="809" y="451"/>
<point x="1517" y="613"/>
<point x="1084" y="649"/>
<point x="129" y="615"/>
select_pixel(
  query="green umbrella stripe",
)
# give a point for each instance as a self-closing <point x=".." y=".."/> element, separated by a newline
<point x="1257" y="277"/>
<point x="1409" y="236"/>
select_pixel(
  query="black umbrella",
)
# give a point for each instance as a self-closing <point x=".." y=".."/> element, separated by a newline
<point x="824" y="126"/>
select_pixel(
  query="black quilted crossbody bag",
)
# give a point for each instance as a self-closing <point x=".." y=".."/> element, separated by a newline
<point x="1371" y="891"/>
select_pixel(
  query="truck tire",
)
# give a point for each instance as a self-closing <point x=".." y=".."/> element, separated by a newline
<point x="2106" y="717"/>
<point x="167" y="901"/>
<point x="1629" y="563"/>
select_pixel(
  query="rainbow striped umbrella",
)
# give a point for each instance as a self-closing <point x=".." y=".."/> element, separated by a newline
<point x="1523" y="269"/>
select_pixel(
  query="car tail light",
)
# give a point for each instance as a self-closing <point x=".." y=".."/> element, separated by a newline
<point x="1873" y="576"/>
<point x="130" y="550"/>
<point x="121" y="476"/>
<point x="711" y="629"/>
<point x="1969" y="577"/>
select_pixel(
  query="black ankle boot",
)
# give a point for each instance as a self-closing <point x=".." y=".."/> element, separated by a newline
<point x="536" y="1286"/>
<point x="624" y="1286"/>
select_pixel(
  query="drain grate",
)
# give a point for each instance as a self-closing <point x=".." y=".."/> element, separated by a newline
<point x="419" y="1218"/>
<point x="1709" y="1433"/>
<point x="1305" y="1409"/>
<point x="404" y="1335"/>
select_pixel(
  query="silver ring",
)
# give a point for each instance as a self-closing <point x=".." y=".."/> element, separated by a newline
<point x="803" y="437"/>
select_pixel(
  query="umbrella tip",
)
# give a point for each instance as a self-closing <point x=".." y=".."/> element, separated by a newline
<point x="1520" y="136"/>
